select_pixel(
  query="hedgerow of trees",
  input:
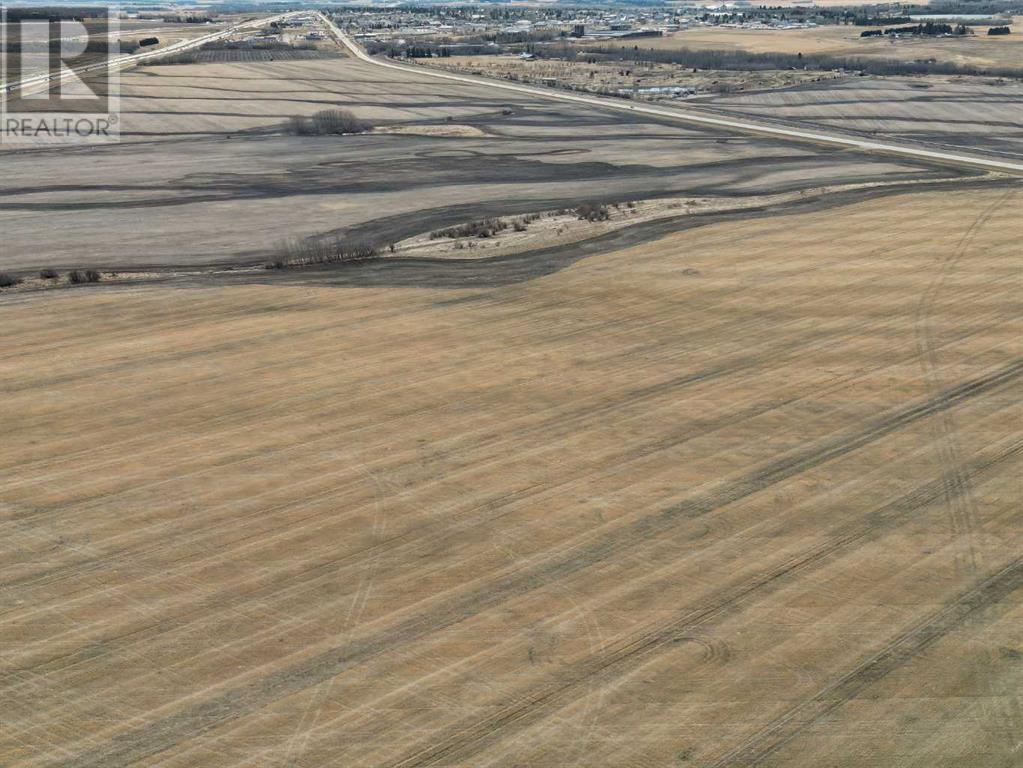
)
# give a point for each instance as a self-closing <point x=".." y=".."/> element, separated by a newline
<point x="298" y="252"/>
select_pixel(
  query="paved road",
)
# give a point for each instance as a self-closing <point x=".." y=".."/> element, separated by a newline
<point x="36" y="82"/>
<point x="865" y="145"/>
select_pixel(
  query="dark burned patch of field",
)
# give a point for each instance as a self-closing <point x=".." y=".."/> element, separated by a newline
<point x="733" y="496"/>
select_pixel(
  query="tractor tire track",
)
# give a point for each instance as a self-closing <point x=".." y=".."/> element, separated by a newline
<point x="463" y="742"/>
<point x="155" y="737"/>
<point x="899" y="651"/>
<point x="959" y="497"/>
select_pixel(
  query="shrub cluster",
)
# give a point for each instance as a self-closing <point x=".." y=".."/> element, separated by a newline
<point x="83" y="276"/>
<point x="329" y="122"/>
<point x="482" y="228"/>
<point x="592" y="212"/>
<point x="8" y="280"/>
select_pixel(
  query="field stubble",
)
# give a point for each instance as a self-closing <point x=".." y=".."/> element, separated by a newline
<point x="731" y="497"/>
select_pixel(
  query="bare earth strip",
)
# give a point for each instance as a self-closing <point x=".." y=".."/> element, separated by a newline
<point x="743" y="495"/>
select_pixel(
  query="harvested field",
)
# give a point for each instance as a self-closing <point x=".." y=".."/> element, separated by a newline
<point x="976" y="50"/>
<point x="204" y="158"/>
<point x="978" y="114"/>
<point x="128" y="33"/>
<point x="747" y="494"/>
<point x="169" y="32"/>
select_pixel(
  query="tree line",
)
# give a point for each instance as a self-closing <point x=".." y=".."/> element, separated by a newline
<point x="732" y="60"/>
<point x="927" y="29"/>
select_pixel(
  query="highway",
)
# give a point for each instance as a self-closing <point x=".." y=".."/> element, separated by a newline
<point x="849" y="142"/>
<point x="45" y="80"/>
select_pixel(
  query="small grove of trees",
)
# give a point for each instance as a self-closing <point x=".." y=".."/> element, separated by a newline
<point x="999" y="30"/>
<point x="328" y="122"/>
<point x="426" y="52"/>
<point x="298" y="252"/>
<point x="8" y="280"/>
<point x="927" y="29"/>
<point x="187" y="19"/>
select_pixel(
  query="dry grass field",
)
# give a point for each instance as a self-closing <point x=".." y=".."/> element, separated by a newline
<point x="129" y="32"/>
<point x="744" y="495"/>
<point x="171" y="32"/>
<point x="977" y="50"/>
